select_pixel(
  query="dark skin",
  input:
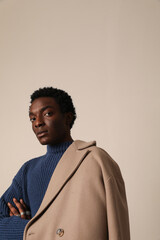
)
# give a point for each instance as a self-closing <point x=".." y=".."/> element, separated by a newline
<point x="51" y="127"/>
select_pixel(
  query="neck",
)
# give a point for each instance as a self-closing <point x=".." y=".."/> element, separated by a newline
<point x="67" y="138"/>
<point x="58" y="147"/>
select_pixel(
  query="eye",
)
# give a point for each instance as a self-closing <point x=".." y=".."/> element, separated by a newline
<point x="32" y="119"/>
<point x="48" y="114"/>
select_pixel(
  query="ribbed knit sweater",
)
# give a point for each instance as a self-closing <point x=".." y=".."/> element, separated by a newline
<point x="30" y="184"/>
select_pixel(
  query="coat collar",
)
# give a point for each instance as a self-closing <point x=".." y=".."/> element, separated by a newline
<point x="80" y="145"/>
<point x="64" y="170"/>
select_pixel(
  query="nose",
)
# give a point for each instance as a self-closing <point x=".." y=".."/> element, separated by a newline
<point x="39" y="122"/>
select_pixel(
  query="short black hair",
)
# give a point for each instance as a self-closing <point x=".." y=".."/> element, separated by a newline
<point x="60" y="96"/>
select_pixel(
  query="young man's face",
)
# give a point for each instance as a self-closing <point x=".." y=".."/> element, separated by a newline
<point x="48" y="123"/>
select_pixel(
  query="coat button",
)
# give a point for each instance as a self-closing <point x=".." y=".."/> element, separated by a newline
<point x="60" y="232"/>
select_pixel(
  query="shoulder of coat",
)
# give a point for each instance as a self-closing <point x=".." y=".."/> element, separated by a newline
<point x="104" y="160"/>
<point x="80" y="144"/>
<point x="97" y="152"/>
<point x="92" y="147"/>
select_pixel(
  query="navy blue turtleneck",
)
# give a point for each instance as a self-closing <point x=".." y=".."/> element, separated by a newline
<point x="30" y="184"/>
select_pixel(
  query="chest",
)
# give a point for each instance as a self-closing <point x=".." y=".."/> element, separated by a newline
<point x="37" y="182"/>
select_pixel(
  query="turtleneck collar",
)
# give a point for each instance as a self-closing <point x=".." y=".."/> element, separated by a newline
<point x="58" y="148"/>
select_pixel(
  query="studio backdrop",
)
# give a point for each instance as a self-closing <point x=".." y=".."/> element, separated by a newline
<point x="106" y="55"/>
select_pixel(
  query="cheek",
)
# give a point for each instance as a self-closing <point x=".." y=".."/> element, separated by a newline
<point x="33" y="128"/>
<point x="57" y="126"/>
<point x="52" y="125"/>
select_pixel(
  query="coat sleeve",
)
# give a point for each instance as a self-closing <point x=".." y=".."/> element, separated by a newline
<point x="116" y="201"/>
<point x="11" y="228"/>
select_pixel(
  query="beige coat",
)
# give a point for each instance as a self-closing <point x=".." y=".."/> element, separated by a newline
<point x="85" y="199"/>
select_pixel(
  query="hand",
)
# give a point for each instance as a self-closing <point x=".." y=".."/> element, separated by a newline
<point x="22" y="212"/>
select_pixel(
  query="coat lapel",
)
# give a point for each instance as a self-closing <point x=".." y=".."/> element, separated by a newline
<point x="64" y="170"/>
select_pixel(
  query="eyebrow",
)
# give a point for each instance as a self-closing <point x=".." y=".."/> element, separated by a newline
<point x="42" y="109"/>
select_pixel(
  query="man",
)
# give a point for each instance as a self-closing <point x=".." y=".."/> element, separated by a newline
<point x="75" y="191"/>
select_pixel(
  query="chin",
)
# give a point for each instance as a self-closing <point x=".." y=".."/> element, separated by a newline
<point x="44" y="141"/>
<point x="49" y="141"/>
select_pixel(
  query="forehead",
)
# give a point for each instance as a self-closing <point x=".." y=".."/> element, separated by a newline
<point x="42" y="102"/>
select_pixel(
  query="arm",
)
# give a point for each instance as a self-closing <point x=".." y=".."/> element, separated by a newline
<point x="116" y="201"/>
<point x="117" y="210"/>
<point x="11" y="226"/>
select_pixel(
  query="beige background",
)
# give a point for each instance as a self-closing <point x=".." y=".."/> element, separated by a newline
<point x="106" y="55"/>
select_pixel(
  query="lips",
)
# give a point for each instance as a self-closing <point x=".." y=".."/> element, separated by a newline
<point x="41" y="133"/>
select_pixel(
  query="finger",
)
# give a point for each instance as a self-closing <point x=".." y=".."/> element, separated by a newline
<point x="13" y="210"/>
<point x="28" y="213"/>
<point x="20" y="208"/>
<point x="10" y="214"/>
<point x="23" y="204"/>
